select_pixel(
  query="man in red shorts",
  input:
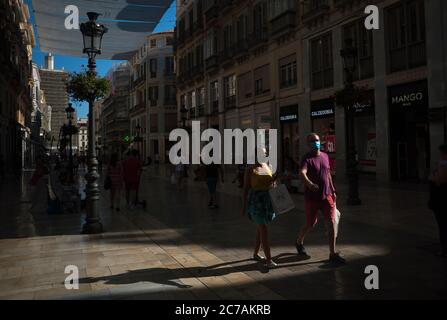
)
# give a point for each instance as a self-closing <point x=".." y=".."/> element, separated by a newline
<point x="319" y="195"/>
<point x="131" y="173"/>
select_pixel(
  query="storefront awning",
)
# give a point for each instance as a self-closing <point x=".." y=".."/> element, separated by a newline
<point x="128" y="21"/>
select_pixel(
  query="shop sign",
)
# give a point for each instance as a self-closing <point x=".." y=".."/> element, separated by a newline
<point x="323" y="109"/>
<point x="289" y="114"/>
<point x="410" y="95"/>
<point x="365" y="106"/>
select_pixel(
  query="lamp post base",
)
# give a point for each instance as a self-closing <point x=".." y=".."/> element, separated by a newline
<point x="92" y="228"/>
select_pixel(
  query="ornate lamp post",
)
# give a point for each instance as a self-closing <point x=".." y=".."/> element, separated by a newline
<point x="70" y="111"/>
<point x="349" y="55"/>
<point x="92" y="33"/>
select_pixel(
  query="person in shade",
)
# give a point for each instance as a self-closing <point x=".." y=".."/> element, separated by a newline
<point x="115" y="172"/>
<point x="256" y="203"/>
<point x="212" y="173"/>
<point x="319" y="195"/>
<point x="437" y="203"/>
<point x="132" y="173"/>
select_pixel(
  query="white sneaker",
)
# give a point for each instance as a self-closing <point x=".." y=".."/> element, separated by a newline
<point x="272" y="264"/>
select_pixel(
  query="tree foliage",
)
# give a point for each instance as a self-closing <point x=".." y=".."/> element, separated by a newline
<point x="85" y="86"/>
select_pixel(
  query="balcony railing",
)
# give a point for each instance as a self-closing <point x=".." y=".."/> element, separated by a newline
<point x="285" y="21"/>
<point x="314" y="9"/>
<point x="227" y="54"/>
<point x="212" y="12"/>
<point x="230" y="102"/>
<point x="242" y="46"/>
<point x="212" y="62"/>
<point x="139" y="81"/>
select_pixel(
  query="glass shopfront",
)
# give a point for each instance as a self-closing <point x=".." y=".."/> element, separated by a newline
<point x="409" y="131"/>
<point x="290" y="140"/>
<point x="365" y="133"/>
<point x="323" y="123"/>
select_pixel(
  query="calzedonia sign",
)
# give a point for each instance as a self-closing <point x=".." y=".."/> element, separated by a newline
<point x="323" y="108"/>
<point x="413" y="94"/>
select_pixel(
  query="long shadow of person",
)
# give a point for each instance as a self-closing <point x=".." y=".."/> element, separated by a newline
<point x="170" y="277"/>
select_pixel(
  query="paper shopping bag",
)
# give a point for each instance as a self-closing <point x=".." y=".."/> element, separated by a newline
<point x="337" y="220"/>
<point x="281" y="200"/>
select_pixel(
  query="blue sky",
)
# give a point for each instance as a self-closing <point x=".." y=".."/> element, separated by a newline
<point x="72" y="64"/>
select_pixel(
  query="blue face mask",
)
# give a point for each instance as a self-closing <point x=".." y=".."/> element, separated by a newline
<point x="316" y="145"/>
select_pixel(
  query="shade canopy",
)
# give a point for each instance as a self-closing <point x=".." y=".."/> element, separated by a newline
<point x="128" y="23"/>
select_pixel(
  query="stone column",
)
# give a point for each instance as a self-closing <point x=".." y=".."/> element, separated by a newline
<point x="304" y="120"/>
<point x="340" y="122"/>
<point x="381" y="104"/>
<point x="436" y="32"/>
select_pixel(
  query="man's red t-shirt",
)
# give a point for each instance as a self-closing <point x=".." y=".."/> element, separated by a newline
<point x="131" y="169"/>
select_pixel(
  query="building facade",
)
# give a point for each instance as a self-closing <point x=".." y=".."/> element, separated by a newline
<point x="153" y="96"/>
<point x="53" y="83"/>
<point x="82" y="136"/>
<point x="40" y="116"/>
<point x="115" y="112"/>
<point x="17" y="41"/>
<point x="277" y="64"/>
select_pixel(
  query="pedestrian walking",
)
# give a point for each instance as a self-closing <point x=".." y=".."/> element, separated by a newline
<point x="132" y="173"/>
<point x="319" y="195"/>
<point x="437" y="203"/>
<point x="212" y="174"/>
<point x="39" y="190"/>
<point x="115" y="174"/>
<point x="256" y="203"/>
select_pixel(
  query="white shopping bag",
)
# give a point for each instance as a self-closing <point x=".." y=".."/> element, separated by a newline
<point x="337" y="220"/>
<point x="281" y="200"/>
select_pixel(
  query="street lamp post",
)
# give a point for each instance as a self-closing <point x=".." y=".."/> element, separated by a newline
<point x="92" y="33"/>
<point x="70" y="111"/>
<point x="349" y="55"/>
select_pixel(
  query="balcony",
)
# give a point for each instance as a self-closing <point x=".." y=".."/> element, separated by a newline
<point x="139" y="81"/>
<point x="212" y="13"/>
<point x="284" y="21"/>
<point x="198" y="71"/>
<point x="212" y="63"/>
<point x="315" y="9"/>
<point x="242" y="47"/>
<point x="230" y="102"/>
<point x="227" y="54"/>
<point x="258" y="37"/>
<point x="226" y="5"/>
<point x="198" y="25"/>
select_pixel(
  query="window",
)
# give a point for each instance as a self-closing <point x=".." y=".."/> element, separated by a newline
<point x="261" y="76"/>
<point x="153" y="96"/>
<point x="153" y="68"/>
<point x="201" y="101"/>
<point x="405" y="24"/>
<point x="230" y="91"/>
<point x="214" y="96"/>
<point x="287" y="72"/>
<point x="322" y="70"/>
<point x="245" y="86"/>
<point x="362" y="40"/>
<point x="210" y="44"/>
<point x="169" y="41"/>
<point x="259" y="18"/>
<point x="169" y="66"/>
<point x="258" y="87"/>
<point x="170" y="94"/>
<point x="153" y="43"/>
